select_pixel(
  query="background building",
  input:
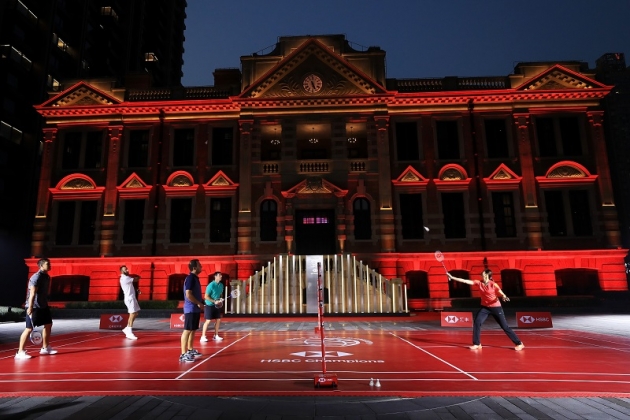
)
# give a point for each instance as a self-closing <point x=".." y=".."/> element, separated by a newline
<point x="311" y="150"/>
<point x="131" y="42"/>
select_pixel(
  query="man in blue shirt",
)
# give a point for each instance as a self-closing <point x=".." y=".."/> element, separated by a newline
<point x="214" y="291"/>
<point x="192" y="312"/>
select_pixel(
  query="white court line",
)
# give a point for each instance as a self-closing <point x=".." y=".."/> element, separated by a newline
<point x="573" y="333"/>
<point x="434" y="356"/>
<point x="584" y="343"/>
<point x="211" y="356"/>
<point x="56" y="347"/>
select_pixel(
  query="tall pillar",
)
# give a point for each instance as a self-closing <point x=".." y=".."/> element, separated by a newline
<point x="385" y="213"/>
<point x="533" y="219"/>
<point x="609" y="210"/>
<point x="40" y="225"/>
<point x="108" y="222"/>
<point x="244" y="222"/>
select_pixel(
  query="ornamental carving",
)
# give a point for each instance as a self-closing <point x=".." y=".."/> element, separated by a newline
<point x="181" y="181"/>
<point x="314" y="185"/>
<point x="134" y="183"/>
<point x="77" y="184"/>
<point x="452" y="174"/>
<point x="566" y="172"/>
<point x="502" y="174"/>
<point x="559" y="80"/>
<point x="82" y="96"/>
<point x="410" y="177"/>
<point x="220" y="181"/>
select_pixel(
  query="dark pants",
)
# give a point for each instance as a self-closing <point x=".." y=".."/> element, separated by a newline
<point x="497" y="314"/>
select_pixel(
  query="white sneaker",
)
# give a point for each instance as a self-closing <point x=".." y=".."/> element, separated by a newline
<point x="48" y="350"/>
<point x="203" y="339"/>
<point x="22" y="355"/>
<point x="131" y="336"/>
<point x="126" y="330"/>
<point x="217" y="338"/>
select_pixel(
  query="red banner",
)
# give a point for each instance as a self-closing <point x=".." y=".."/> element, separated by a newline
<point x="113" y="321"/>
<point x="177" y="320"/>
<point x="533" y="320"/>
<point x="456" y="319"/>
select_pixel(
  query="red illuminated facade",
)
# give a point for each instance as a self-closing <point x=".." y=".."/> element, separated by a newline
<point x="310" y="149"/>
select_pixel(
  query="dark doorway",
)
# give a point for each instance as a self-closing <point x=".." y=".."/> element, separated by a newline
<point x="315" y="232"/>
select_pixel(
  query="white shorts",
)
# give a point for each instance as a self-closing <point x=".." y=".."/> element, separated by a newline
<point x="132" y="304"/>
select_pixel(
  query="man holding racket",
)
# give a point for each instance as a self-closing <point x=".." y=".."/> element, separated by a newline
<point x="490" y="305"/>
<point x="37" y="310"/>
<point x="192" y="312"/>
<point x="127" y="284"/>
<point x="214" y="291"/>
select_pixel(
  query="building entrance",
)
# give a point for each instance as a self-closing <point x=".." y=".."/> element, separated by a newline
<point x="315" y="232"/>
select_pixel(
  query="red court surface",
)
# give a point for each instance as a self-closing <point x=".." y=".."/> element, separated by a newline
<point x="435" y="362"/>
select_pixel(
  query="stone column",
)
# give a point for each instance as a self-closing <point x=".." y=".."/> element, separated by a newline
<point x="533" y="220"/>
<point x="40" y="225"/>
<point x="108" y="221"/>
<point x="385" y="220"/>
<point x="609" y="210"/>
<point x="244" y="222"/>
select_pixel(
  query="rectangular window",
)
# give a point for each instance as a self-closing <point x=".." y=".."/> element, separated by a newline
<point x="184" y="147"/>
<point x="580" y="213"/>
<point x="181" y="211"/>
<point x="134" y="221"/>
<point x="496" y="139"/>
<point x="65" y="223"/>
<point x="222" y="145"/>
<point x="570" y="134"/>
<point x="407" y="141"/>
<point x="411" y="216"/>
<point x="220" y="219"/>
<point x="87" y="222"/>
<point x="447" y="135"/>
<point x="138" y="154"/>
<point x="94" y="150"/>
<point x="545" y="133"/>
<point x="454" y="215"/>
<point x="71" y="151"/>
<point x="503" y="206"/>
<point x="556" y="213"/>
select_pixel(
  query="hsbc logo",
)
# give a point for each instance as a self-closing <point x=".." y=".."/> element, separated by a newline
<point x="452" y="319"/>
<point x="319" y="354"/>
<point x="182" y="318"/>
<point x="527" y="319"/>
<point x="115" y="318"/>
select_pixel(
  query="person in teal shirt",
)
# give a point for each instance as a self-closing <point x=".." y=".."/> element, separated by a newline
<point x="214" y="291"/>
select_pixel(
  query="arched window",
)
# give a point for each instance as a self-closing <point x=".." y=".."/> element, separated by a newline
<point x="268" y="220"/>
<point x="457" y="289"/>
<point x="176" y="286"/>
<point x="418" y="285"/>
<point x="362" y="220"/>
<point x="512" y="282"/>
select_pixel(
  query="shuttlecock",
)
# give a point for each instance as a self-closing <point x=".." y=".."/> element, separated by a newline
<point x="377" y="384"/>
<point x="426" y="228"/>
<point x="371" y="382"/>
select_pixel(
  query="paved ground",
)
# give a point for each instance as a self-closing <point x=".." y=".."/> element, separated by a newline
<point x="333" y="408"/>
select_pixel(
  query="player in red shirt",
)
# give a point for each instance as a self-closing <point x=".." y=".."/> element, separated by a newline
<point x="490" y="305"/>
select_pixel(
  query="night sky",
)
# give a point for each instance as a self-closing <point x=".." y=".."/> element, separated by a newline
<point x="422" y="38"/>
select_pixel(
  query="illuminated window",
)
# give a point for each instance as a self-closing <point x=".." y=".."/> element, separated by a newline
<point x="109" y="11"/>
<point x="150" y="57"/>
<point x="320" y="220"/>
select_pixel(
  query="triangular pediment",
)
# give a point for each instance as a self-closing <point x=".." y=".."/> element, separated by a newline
<point x="315" y="185"/>
<point x="503" y="178"/>
<point x="559" y="77"/>
<point x="312" y="70"/>
<point x="133" y="181"/>
<point x="220" y="179"/>
<point x="81" y="94"/>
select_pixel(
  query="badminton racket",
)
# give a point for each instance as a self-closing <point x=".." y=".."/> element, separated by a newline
<point x="440" y="257"/>
<point x="35" y="336"/>
<point x="233" y="294"/>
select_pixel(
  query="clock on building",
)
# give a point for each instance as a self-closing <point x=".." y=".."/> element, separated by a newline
<point x="312" y="83"/>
